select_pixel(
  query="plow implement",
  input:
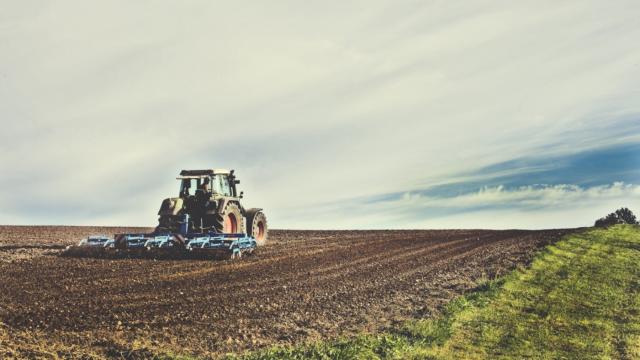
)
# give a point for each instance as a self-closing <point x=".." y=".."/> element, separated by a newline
<point x="164" y="246"/>
<point x="221" y="246"/>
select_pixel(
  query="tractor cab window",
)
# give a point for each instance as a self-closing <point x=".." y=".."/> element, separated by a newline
<point x="188" y="187"/>
<point x="221" y="185"/>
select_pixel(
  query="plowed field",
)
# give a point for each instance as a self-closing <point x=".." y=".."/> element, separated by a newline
<point x="302" y="286"/>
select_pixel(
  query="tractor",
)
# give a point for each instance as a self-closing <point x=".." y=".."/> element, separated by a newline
<point x="206" y="219"/>
<point x="209" y="202"/>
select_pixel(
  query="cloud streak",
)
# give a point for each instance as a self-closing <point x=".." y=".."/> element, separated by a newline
<point x="498" y="207"/>
<point x="524" y="197"/>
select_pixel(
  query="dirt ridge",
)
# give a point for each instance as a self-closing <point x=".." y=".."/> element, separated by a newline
<point x="303" y="286"/>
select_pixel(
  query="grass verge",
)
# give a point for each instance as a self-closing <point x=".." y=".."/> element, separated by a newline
<point x="579" y="299"/>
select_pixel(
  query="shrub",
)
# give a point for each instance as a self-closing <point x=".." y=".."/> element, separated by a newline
<point x="621" y="216"/>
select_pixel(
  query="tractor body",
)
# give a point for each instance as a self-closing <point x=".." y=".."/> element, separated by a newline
<point x="206" y="219"/>
<point x="209" y="202"/>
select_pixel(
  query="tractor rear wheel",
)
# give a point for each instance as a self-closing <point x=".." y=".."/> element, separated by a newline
<point x="230" y="221"/>
<point x="257" y="227"/>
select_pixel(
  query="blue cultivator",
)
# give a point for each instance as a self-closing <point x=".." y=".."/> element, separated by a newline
<point x="174" y="246"/>
<point x="222" y="246"/>
<point x="160" y="242"/>
<point x="161" y="246"/>
<point x="93" y="246"/>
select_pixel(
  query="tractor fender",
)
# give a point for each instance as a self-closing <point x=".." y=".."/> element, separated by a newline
<point x="222" y="204"/>
<point x="252" y="211"/>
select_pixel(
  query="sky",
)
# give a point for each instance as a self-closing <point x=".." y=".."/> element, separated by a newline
<point x="335" y="115"/>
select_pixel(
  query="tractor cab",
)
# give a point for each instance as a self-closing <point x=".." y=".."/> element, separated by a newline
<point x="217" y="183"/>
<point x="192" y="185"/>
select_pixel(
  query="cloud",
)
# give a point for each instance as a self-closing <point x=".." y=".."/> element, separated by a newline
<point x="102" y="104"/>
<point x="562" y="205"/>
<point x="524" y="197"/>
<point x="586" y="168"/>
<point x="548" y="182"/>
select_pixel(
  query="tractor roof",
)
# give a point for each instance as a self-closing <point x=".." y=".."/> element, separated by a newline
<point x="204" y="172"/>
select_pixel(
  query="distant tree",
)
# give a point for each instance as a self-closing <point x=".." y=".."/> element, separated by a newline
<point x="609" y="220"/>
<point x="626" y="216"/>
<point x="621" y="216"/>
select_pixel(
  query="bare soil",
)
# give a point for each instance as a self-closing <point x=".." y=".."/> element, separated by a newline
<point x="302" y="286"/>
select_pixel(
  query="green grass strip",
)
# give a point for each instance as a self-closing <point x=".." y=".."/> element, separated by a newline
<point x="579" y="299"/>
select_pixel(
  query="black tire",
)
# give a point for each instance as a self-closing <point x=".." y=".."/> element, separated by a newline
<point x="257" y="227"/>
<point x="230" y="221"/>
